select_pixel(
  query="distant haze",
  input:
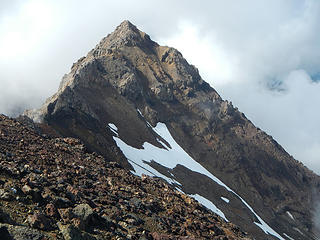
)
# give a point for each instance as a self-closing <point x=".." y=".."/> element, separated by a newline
<point x="264" y="56"/>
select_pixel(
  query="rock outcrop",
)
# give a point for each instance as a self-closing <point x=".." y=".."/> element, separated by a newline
<point x="127" y="71"/>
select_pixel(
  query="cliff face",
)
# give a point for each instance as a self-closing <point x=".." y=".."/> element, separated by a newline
<point x="132" y="82"/>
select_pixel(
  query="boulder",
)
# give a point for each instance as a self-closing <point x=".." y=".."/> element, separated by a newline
<point x="70" y="232"/>
<point x="85" y="214"/>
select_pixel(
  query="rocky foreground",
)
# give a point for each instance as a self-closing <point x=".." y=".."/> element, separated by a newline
<point x="52" y="188"/>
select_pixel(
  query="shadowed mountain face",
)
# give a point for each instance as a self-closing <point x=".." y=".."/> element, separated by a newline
<point x="132" y="82"/>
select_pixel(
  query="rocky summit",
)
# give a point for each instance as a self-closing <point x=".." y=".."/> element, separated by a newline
<point x="53" y="188"/>
<point x="145" y="107"/>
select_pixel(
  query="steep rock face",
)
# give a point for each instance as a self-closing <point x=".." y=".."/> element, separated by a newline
<point x="127" y="72"/>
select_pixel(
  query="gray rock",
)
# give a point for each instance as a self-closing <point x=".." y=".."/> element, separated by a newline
<point x="83" y="211"/>
<point x="136" y="202"/>
<point x="70" y="232"/>
<point x="86" y="215"/>
<point x="133" y="219"/>
<point x="21" y="232"/>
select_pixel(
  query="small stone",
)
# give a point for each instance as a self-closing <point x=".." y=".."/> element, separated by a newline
<point x="133" y="219"/>
<point x="144" y="177"/>
<point x="26" y="189"/>
<point x="6" y="196"/>
<point x="66" y="214"/>
<point x="135" y="202"/>
<point x="51" y="210"/>
<point x="39" y="221"/>
<point x="13" y="190"/>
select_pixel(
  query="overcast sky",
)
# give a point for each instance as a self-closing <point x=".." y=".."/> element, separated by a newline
<point x="264" y="56"/>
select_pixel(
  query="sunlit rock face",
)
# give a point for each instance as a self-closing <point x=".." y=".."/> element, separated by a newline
<point x="130" y="81"/>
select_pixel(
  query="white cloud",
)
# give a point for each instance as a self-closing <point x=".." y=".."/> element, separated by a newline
<point x="243" y="48"/>
<point x="204" y="51"/>
<point x="266" y="57"/>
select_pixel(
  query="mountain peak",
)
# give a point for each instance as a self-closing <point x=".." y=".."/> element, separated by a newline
<point x="127" y="25"/>
<point x="126" y="34"/>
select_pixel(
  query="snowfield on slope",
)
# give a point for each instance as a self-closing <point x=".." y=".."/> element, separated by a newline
<point x="170" y="158"/>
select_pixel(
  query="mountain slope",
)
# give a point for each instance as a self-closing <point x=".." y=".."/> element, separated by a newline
<point x="51" y="188"/>
<point x="133" y="83"/>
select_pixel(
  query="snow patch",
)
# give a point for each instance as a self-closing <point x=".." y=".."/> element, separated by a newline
<point x="163" y="144"/>
<point x="141" y="167"/>
<point x="225" y="199"/>
<point x="290" y="215"/>
<point x="113" y="128"/>
<point x="170" y="158"/>
<point x="208" y="204"/>
<point x="265" y="227"/>
<point x="298" y="230"/>
<point x="181" y="157"/>
<point x="140" y="112"/>
<point x="290" y="238"/>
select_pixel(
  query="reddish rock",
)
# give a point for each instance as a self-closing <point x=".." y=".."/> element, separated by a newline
<point x="51" y="210"/>
<point x="40" y="221"/>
